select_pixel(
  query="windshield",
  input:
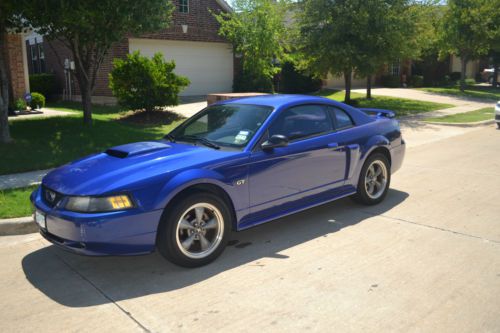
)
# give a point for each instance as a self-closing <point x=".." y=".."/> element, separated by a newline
<point x="231" y="125"/>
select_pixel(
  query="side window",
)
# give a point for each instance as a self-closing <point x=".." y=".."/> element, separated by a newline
<point x="341" y="118"/>
<point x="301" y="121"/>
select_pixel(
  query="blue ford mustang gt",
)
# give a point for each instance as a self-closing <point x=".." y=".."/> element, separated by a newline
<point x="233" y="165"/>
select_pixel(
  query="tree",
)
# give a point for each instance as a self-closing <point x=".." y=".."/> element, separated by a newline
<point x="395" y="30"/>
<point x="345" y="36"/>
<point x="467" y="31"/>
<point x="142" y="83"/>
<point x="89" y="28"/>
<point x="7" y="13"/>
<point x="257" y="31"/>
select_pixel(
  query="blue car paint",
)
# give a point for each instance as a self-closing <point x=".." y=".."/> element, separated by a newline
<point x="303" y="174"/>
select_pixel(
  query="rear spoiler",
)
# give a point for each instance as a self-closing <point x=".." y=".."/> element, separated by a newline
<point x="378" y="112"/>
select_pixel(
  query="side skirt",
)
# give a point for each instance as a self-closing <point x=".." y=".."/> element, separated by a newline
<point x="293" y="207"/>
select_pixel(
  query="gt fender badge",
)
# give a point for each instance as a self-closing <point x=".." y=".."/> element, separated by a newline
<point x="240" y="182"/>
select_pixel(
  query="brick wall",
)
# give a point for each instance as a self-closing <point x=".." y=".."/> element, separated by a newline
<point x="14" y="61"/>
<point x="56" y="65"/>
<point x="202" y="26"/>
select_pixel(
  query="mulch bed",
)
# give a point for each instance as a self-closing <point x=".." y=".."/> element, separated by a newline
<point x="158" y="117"/>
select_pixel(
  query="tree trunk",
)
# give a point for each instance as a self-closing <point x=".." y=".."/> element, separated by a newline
<point x="4" y="94"/>
<point x="495" y="74"/>
<point x="463" y="68"/>
<point x="347" y="79"/>
<point x="369" y="87"/>
<point x="86" y="92"/>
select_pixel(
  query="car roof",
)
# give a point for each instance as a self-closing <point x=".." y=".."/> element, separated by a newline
<point x="279" y="100"/>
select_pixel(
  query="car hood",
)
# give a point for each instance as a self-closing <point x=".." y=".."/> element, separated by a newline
<point x="129" y="166"/>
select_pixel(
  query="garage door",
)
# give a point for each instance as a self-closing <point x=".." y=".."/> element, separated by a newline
<point x="209" y="66"/>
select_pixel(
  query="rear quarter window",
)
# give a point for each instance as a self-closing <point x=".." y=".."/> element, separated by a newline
<point x="340" y="118"/>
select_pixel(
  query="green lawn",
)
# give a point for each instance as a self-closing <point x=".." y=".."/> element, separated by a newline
<point x="483" y="92"/>
<point x="50" y="142"/>
<point x="15" y="202"/>
<point x="465" y="117"/>
<point x="401" y="106"/>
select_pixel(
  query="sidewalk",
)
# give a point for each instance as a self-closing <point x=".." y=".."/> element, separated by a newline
<point x="46" y="114"/>
<point x="24" y="179"/>
<point x="462" y="104"/>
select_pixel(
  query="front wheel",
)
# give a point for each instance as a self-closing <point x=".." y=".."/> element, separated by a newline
<point x="194" y="230"/>
<point x="374" y="180"/>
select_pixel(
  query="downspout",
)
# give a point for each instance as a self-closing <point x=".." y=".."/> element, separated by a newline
<point x="25" y="65"/>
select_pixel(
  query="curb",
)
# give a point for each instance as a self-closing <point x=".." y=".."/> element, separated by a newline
<point x="18" y="226"/>
<point x="477" y="123"/>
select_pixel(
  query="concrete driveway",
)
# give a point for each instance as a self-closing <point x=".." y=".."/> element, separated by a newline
<point x="426" y="259"/>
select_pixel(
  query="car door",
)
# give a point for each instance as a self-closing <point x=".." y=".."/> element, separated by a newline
<point x="311" y="163"/>
<point x="348" y="136"/>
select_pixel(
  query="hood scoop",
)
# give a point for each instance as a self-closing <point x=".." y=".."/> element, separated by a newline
<point x="134" y="149"/>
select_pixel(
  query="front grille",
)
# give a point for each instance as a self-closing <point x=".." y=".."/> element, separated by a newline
<point x="497" y="117"/>
<point x="50" y="197"/>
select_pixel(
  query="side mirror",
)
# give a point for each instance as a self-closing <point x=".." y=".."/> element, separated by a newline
<point x="275" y="141"/>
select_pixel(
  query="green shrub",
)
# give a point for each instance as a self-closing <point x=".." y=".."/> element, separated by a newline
<point x="139" y="82"/>
<point x="45" y="84"/>
<point x="455" y="76"/>
<point x="390" y="81"/>
<point x="20" y="105"/>
<point x="416" y="81"/>
<point x="250" y="82"/>
<point x="470" y="82"/>
<point x="37" y="100"/>
<point x="294" y="82"/>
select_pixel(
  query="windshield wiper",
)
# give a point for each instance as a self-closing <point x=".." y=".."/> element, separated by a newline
<point x="204" y="141"/>
<point x="170" y="137"/>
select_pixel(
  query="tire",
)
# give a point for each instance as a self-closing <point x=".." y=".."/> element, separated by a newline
<point x="364" y="193"/>
<point x="194" y="229"/>
<point x="498" y="125"/>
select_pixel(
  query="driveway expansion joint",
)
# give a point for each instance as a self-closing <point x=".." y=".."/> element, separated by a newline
<point x="433" y="227"/>
<point x="103" y="294"/>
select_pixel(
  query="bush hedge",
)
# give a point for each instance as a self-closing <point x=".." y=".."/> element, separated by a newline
<point x="416" y="81"/>
<point x="455" y="76"/>
<point x="139" y="82"/>
<point x="390" y="81"/>
<point x="19" y="105"/>
<point x="470" y="82"/>
<point x="37" y="100"/>
<point x="295" y="82"/>
<point x="45" y="84"/>
<point x="249" y="82"/>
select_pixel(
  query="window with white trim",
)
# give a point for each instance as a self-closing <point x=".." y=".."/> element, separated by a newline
<point x="184" y="6"/>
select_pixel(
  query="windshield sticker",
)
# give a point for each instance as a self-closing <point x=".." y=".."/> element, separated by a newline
<point x="241" y="137"/>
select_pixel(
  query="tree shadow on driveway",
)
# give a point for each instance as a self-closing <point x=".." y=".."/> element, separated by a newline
<point x="78" y="281"/>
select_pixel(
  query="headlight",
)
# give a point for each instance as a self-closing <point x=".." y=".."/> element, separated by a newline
<point x="99" y="204"/>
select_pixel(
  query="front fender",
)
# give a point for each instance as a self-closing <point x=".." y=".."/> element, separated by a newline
<point x="189" y="178"/>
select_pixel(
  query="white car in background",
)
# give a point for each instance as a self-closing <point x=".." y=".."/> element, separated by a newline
<point x="497" y="114"/>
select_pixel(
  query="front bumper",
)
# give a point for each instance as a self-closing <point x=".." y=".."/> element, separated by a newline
<point x="127" y="232"/>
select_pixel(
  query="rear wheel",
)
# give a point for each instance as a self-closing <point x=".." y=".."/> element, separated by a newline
<point x="374" y="180"/>
<point x="498" y="125"/>
<point x="194" y="230"/>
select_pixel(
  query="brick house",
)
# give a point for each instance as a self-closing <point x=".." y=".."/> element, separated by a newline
<point x="191" y="40"/>
<point x="16" y="64"/>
